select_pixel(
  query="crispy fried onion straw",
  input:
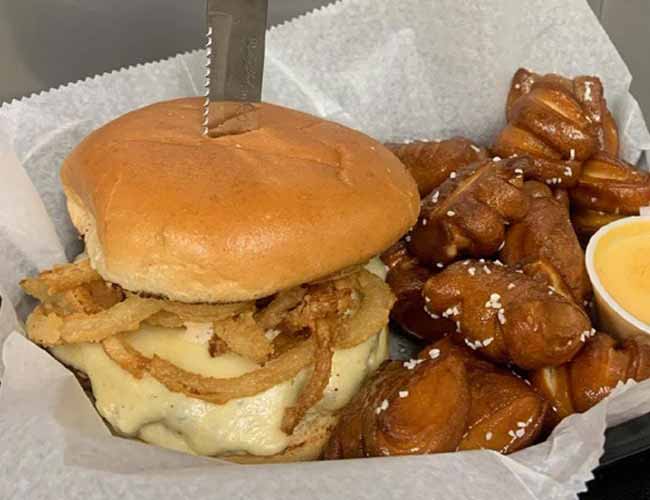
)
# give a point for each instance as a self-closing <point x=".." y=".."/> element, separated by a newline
<point x="205" y="313"/>
<point x="243" y="336"/>
<point x="318" y="380"/>
<point x="124" y="316"/>
<point x="79" y="307"/>
<point x="50" y="329"/>
<point x="372" y="316"/>
<point x="176" y="314"/>
<point x="273" y="314"/>
<point x="49" y="283"/>
<point x="213" y="390"/>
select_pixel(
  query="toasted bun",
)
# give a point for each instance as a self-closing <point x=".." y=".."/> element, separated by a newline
<point x="167" y="211"/>
<point x="307" y="443"/>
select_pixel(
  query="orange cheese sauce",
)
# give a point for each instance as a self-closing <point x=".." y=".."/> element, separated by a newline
<point x="622" y="262"/>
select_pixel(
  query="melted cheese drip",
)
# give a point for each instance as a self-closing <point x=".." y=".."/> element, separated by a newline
<point x="146" y="409"/>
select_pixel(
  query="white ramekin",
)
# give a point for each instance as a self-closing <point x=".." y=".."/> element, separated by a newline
<point x="613" y="318"/>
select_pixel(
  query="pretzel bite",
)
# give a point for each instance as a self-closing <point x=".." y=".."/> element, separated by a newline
<point x="593" y="373"/>
<point x="558" y="123"/>
<point x="507" y="316"/>
<point x="414" y="407"/>
<point x="610" y="185"/>
<point x="558" y="174"/>
<point x="431" y="162"/>
<point x="445" y="399"/>
<point x="546" y="235"/>
<point x="506" y="414"/>
<point x="406" y="278"/>
<point x="586" y="222"/>
<point x="562" y="197"/>
<point x="545" y="272"/>
<point x="556" y="118"/>
<point x="406" y="281"/>
<point x="467" y="214"/>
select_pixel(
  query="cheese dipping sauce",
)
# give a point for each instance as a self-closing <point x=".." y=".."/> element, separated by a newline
<point x="622" y="263"/>
<point x="146" y="409"/>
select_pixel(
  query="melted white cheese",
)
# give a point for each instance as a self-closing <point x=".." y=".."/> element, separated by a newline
<point x="249" y="424"/>
<point x="146" y="409"/>
<point x="376" y="267"/>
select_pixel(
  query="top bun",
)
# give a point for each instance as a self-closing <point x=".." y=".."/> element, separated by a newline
<point x="167" y="211"/>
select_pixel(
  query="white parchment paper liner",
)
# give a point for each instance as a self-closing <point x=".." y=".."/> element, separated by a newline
<point x="396" y="70"/>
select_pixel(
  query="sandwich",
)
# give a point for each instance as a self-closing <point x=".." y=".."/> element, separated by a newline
<point x="228" y="302"/>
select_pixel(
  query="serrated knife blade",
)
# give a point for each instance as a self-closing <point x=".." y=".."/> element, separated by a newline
<point x="235" y="62"/>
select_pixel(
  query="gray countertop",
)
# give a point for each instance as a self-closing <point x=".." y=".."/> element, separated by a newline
<point x="45" y="43"/>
